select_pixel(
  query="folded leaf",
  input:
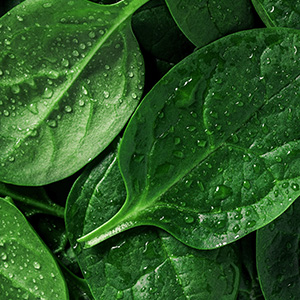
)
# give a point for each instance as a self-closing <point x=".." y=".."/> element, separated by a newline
<point x="212" y="153"/>
<point x="71" y="74"/>
<point x="143" y="263"/>
<point x="27" y="268"/>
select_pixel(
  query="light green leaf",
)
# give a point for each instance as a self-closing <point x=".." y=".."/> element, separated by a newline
<point x="27" y="268"/>
<point x="71" y="74"/>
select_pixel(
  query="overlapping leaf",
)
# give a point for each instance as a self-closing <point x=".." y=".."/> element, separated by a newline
<point x="212" y="153"/>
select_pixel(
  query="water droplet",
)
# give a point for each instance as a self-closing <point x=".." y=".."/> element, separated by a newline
<point x="189" y="219"/>
<point x="251" y="223"/>
<point x="92" y="35"/>
<point x="75" y="53"/>
<point x="134" y="95"/>
<point x="33" y="108"/>
<point x="82" y="46"/>
<point x="178" y="154"/>
<point x="52" y="123"/>
<point x="295" y="186"/>
<point x="11" y="159"/>
<point x="15" y="89"/>
<point x="107" y="67"/>
<point x="106" y="94"/>
<point x="47" y="5"/>
<point x="285" y="185"/>
<point x="191" y="128"/>
<point x="201" y="186"/>
<point x="278" y="159"/>
<point x="48" y="93"/>
<point x="130" y="74"/>
<point x="53" y="74"/>
<point x="120" y="295"/>
<point x="246" y="184"/>
<point x="6" y="113"/>
<point x="36" y="265"/>
<point x="177" y="140"/>
<point x="201" y="144"/>
<point x="138" y="157"/>
<point x="65" y="63"/>
<point x="81" y="102"/>
<point x="68" y="108"/>
<point x="19" y="18"/>
<point x="222" y="192"/>
<point x="3" y="256"/>
<point x="236" y="228"/>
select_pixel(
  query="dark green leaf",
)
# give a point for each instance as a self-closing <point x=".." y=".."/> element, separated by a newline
<point x="27" y="269"/>
<point x="279" y="13"/>
<point x="71" y="74"/>
<point x="204" y="21"/>
<point x="278" y="256"/>
<point x="213" y="151"/>
<point x="31" y="199"/>
<point x="143" y="263"/>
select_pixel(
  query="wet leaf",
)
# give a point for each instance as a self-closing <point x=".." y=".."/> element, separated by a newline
<point x="144" y="263"/>
<point x="278" y="256"/>
<point x="204" y="21"/>
<point x="27" y="268"/>
<point x="71" y="74"/>
<point x="212" y="153"/>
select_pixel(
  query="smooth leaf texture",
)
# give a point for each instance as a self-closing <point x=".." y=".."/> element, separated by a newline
<point x="32" y="199"/>
<point x="204" y="21"/>
<point x="144" y="263"/>
<point x="27" y="268"/>
<point x="279" y="13"/>
<point x="71" y="74"/>
<point x="212" y="153"/>
<point x="278" y="256"/>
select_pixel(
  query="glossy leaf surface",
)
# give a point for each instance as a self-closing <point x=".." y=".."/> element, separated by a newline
<point x="27" y="268"/>
<point x="212" y="153"/>
<point x="65" y="96"/>
<point x="278" y="256"/>
<point x="204" y="21"/>
<point x="279" y="13"/>
<point x="144" y="263"/>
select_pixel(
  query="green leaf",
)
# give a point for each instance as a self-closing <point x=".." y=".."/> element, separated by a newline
<point x="212" y="153"/>
<point x="32" y="199"/>
<point x="204" y="21"/>
<point x="71" y="74"/>
<point x="144" y="263"/>
<point x="278" y="256"/>
<point x="278" y="13"/>
<point x="158" y="34"/>
<point x="27" y="268"/>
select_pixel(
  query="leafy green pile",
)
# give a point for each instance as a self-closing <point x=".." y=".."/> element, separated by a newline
<point x="150" y="149"/>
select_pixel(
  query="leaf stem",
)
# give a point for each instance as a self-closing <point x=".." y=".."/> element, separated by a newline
<point x="120" y="222"/>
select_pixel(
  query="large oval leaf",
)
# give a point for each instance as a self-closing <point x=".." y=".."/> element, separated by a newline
<point x="278" y="256"/>
<point x="71" y="74"/>
<point x="204" y="21"/>
<point x="143" y="263"/>
<point x="279" y="13"/>
<point x="212" y="153"/>
<point x="27" y="268"/>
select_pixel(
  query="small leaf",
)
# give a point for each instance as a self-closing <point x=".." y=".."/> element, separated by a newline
<point x="27" y="268"/>
<point x="204" y="21"/>
<point x="212" y="153"/>
<point x="144" y="263"/>
<point x="278" y="13"/>
<point x="278" y="256"/>
<point x="66" y="91"/>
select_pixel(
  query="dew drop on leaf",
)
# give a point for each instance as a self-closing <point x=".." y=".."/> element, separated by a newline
<point x="189" y="219"/>
<point x="222" y="192"/>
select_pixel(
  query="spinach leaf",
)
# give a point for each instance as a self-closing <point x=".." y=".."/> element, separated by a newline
<point x="71" y="74"/>
<point x="212" y="153"/>
<point x="27" y="269"/>
<point x="278" y="13"/>
<point x="31" y="200"/>
<point x="143" y="263"/>
<point x="278" y="256"/>
<point x="204" y="21"/>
